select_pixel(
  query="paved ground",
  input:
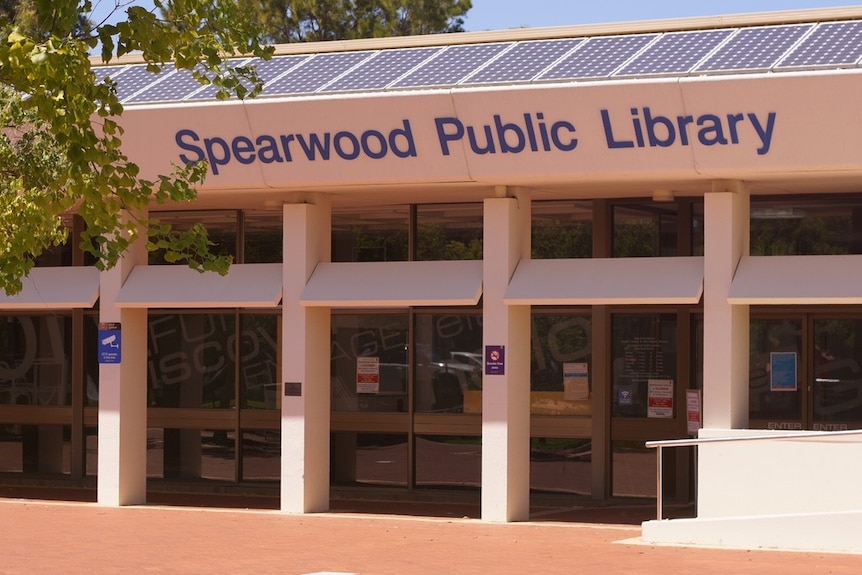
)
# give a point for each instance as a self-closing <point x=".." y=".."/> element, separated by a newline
<point x="71" y="538"/>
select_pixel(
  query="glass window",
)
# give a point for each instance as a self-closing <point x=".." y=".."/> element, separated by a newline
<point x="261" y="455"/>
<point x="449" y="232"/>
<point x="369" y="369"/>
<point x="634" y="470"/>
<point x="560" y="368"/>
<point x="369" y="459"/>
<point x="259" y="372"/>
<point x="35" y="360"/>
<point x="192" y="360"/>
<point x="371" y="234"/>
<point x="561" y="465"/>
<point x="448" y="363"/>
<point x="645" y="230"/>
<point x="562" y="230"/>
<point x="191" y="454"/>
<point x="262" y="237"/>
<point x="448" y="461"/>
<point x="643" y="368"/>
<point x="221" y="229"/>
<point x="798" y="226"/>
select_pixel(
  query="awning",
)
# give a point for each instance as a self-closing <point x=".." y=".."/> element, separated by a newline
<point x="164" y="286"/>
<point x="56" y="288"/>
<point x="607" y="281"/>
<point x="394" y="284"/>
<point x="780" y="280"/>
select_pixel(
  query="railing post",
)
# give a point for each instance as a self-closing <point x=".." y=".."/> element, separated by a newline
<point x="658" y="483"/>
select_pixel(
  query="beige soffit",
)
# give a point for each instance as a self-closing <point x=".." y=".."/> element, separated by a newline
<point x="780" y="280"/>
<point x="56" y="288"/>
<point x="394" y="284"/>
<point x="164" y="286"/>
<point x="607" y="281"/>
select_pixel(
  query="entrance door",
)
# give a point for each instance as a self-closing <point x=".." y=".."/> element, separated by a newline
<point x="806" y="372"/>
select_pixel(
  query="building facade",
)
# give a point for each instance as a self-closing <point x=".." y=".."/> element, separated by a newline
<point x="490" y="261"/>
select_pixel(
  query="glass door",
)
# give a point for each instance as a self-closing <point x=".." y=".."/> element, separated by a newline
<point x="805" y="372"/>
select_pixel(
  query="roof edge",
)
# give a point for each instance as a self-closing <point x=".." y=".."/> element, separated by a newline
<point x="549" y="32"/>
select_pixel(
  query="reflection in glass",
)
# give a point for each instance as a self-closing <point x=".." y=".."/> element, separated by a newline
<point x="561" y="465"/>
<point x="258" y="369"/>
<point x="35" y="364"/>
<point x="448" y="361"/>
<point x="43" y="449"/>
<point x="191" y="454"/>
<point x="645" y="230"/>
<point x="369" y="459"/>
<point x="634" y="470"/>
<point x="371" y="234"/>
<point x="562" y="230"/>
<point x="221" y="226"/>
<point x="261" y="455"/>
<point x="379" y="343"/>
<point x="837" y="374"/>
<point x="447" y="461"/>
<point x="798" y="226"/>
<point x="560" y="377"/>
<point x="191" y="360"/>
<point x="769" y="398"/>
<point x="449" y="232"/>
<point x="644" y="349"/>
<point x="263" y="237"/>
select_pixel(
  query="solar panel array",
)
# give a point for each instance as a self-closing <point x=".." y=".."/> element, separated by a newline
<point x="755" y="49"/>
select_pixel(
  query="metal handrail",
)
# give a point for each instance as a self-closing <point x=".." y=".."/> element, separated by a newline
<point x="694" y="442"/>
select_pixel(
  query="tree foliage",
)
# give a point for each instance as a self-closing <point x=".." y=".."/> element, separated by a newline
<point x="319" y="20"/>
<point x="60" y="139"/>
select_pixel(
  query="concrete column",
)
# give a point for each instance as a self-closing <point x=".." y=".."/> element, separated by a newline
<point x="305" y="362"/>
<point x="506" y="397"/>
<point x="725" y="337"/>
<point x="123" y="393"/>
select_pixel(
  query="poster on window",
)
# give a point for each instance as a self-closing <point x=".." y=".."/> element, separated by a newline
<point x="367" y="375"/>
<point x="660" y="398"/>
<point x="576" y="384"/>
<point x="782" y="371"/>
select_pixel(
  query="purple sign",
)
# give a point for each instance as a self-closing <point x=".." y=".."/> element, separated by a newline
<point x="495" y="360"/>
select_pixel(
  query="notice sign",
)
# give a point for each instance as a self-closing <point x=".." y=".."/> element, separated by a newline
<point x="495" y="360"/>
<point x="693" y="411"/>
<point x="782" y="371"/>
<point x="367" y="375"/>
<point x="660" y="398"/>
<point x="110" y="343"/>
<point x="576" y="381"/>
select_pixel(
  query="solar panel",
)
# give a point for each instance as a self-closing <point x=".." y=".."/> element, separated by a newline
<point x="381" y="70"/>
<point x="172" y="88"/>
<point x="831" y="44"/>
<point x="754" y="49"/>
<point x="314" y="73"/>
<point x="451" y="65"/>
<point x="598" y="57"/>
<point x="524" y="61"/>
<point x="135" y="79"/>
<point x="675" y="53"/>
<point x="103" y="72"/>
<point x="267" y="70"/>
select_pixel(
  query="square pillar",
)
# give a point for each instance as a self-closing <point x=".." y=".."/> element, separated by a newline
<point x="122" y="475"/>
<point x="726" y="326"/>
<point x="305" y="363"/>
<point x="506" y="397"/>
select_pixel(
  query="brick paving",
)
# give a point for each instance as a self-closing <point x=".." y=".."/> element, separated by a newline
<point x="83" y="538"/>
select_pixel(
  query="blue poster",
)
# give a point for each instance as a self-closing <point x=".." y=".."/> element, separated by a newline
<point x="110" y="343"/>
<point x="782" y="371"/>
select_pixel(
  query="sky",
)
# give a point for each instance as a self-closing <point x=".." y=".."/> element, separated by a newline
<point x="504" y="14"/>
